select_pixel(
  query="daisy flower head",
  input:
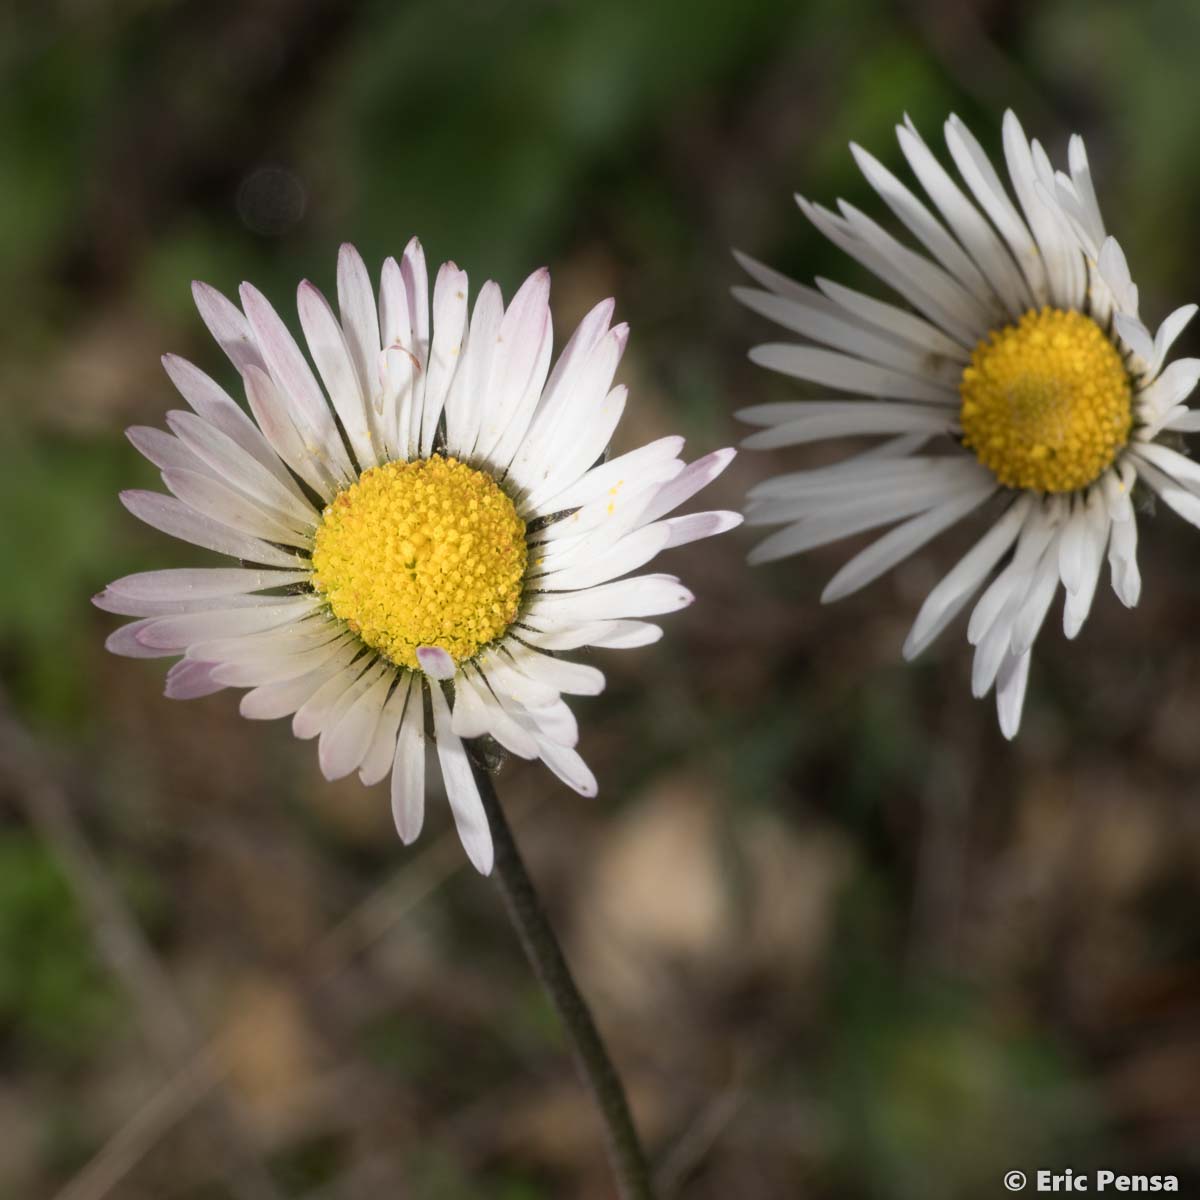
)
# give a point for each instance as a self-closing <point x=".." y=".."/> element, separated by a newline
<point x="421" y="527"/>
<point x="1009" y="372"/>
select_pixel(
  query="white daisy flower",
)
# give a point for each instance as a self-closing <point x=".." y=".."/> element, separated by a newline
<point x="424" y="522"/>
<point x="1016" y="374"/>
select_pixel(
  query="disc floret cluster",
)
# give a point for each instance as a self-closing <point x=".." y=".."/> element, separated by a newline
<point x="1047" y="402"/>
<point x="424" y="553"/>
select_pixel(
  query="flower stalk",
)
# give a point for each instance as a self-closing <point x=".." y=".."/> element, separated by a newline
<point x="626" y="1155"/>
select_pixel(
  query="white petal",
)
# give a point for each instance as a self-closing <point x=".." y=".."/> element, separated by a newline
<point x="600" y="479"/>
<point x="1078" y="603"/>
<point x="449" y="329"/>
<point x="287" y="666"/>
<point x="980" y="176"/>
<point x="560" y="394"/>
<point x="642" y="596"/>
<point x="694" y="526"/>
<point x="625" y="635"/>
<point x="416" y="290"/>
<point x="921" y="222"/>
<point x="899" y="543"/>
<point x="848" y="374"/>
<point x="616" y="635"/>
<point x="1029" y="618"/>
<point x="631" y="552"/>
<point x="822" y="321"/>
<point x="408" y="767"/>
<point x="360" y="321"/>
<point x="518" y="370"/>
<point x="1013" y="582"/>
<point x="959" y="585"/>
<point x="570" y="678"/>
<point x="347" y="736"/>
<point x="477" y="711"/>
<point x="270" y="701"/>
<point x="854" y="418"/>
<point x="1010" y="692"/>
<point x="311" y="717"/>
<point x="566" y="449"/>
<point x="967" y="223"/>
<point x="926" y="287"/>
<point x="513" y="688"/>
<point x="568" y="766"/>
<point x="1114" y="270"/>
<point x="378" y="760"/>
<point x="461" y="788"/>
<point x="898" y="322"/>
<point x="257" y="646"/>
<point x="468" y="392"/>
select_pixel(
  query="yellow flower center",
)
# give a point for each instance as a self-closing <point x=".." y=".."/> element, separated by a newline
<point x="1046" y="403"/>
<point x="427" y="553"/>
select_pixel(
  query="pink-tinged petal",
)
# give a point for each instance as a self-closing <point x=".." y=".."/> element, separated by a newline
<point x="176" y="633"/>
<point x="228" y="326"/>
<point x="173" y="517"/>
<point x="287" y="365"/>
<point x="125" y="641"/>
<point x="435" y="662"/>
<point x="327" y="345"/>
<point x="221" y="456"/>
<point x="201" y="583"/>
<point x="210" y="497"/>
<point x="271" y="411"/>
<point x="188" y="680"/>
<point x="133" y="606"/>
<point x="688" y="482"/>
<point x="360" y="319"/>
<point x="217" y="407"/>
<point x="160" y="448"/>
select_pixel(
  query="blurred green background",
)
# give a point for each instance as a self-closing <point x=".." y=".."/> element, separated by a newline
<point x="845" y="940"/>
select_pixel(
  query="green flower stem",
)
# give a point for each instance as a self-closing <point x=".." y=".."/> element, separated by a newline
<point x="541" y="947"/>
